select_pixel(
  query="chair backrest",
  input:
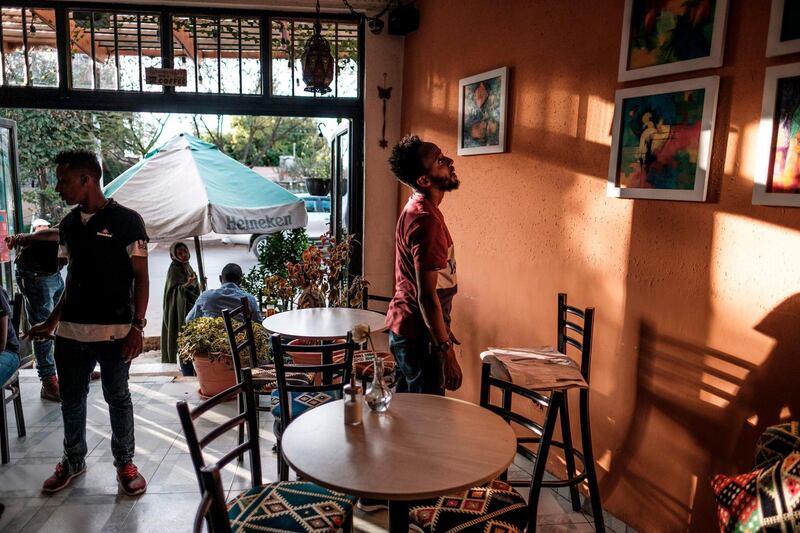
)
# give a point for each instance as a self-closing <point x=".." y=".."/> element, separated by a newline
<point x="244" y="323"/>
<point x="212" y="506"/>
<point x="578" y="336"/>
<point x="334" y="374"/>
<point x="366" y="298"/>
<point x="247" y="417"/>
<point x="568" y="334"/>
<point x="16" y="312"/>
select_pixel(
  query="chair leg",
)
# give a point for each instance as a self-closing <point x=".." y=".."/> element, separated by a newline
<point x="566" y="437"/>
<point x="541" y="459"/>
<point x="347" y="527"/>
<point x="591" y="472"/>
<point x="18" y="410"/>
<point x="5" y="454"/>
<point x="283" y="466"/>
<point x="240" y="402"/>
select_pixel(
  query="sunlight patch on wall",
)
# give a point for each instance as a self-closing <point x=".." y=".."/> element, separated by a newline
<point x="749" y="157"/>
<point x="599" y="118"/>
<point x="562" y="112"/>
<point x="753" y="269"/>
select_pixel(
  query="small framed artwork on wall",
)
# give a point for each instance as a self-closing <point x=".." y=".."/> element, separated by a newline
<point x="783" y="36"/>
<point x="482" y="113"/>
<point x="777" y="179"/>
<point x="662" y="137"/>
<point x="661" y="38"/>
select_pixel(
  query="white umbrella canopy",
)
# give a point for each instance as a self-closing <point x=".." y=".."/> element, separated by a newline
<point x="187" y="188"/>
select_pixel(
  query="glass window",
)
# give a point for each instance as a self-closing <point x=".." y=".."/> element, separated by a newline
<point x="219" y="54"/>
<point x="110" y="51"/>
<point x="28" y="53"/>
<point x="289" y="38"/>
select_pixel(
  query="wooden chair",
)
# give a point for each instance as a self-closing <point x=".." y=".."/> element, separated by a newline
<point x="294" y="398"/>
<point x="574" y="335"/>
<point x="318" y="505"/>
<point x="13" y="388"/>
<point x="238" y="321"/>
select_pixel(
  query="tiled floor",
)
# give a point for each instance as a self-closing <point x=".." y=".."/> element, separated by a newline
<point x="93" y="502"/>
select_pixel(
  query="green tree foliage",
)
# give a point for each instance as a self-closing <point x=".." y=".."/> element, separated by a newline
<point x="260" y="141"/>
<point x="273" y="254"/>
<point x="119" y="138"/>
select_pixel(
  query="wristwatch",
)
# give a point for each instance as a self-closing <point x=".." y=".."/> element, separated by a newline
<point x="445" y="346"/>
<point x="139" y="323"/>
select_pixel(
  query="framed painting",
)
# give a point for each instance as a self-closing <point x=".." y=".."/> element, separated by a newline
<point x="665" y="37"/>
<point x="661" y="144"/>
<point x="777" y="180"/>
<point x="783" y="36"/>
<point x="482" y="113"/>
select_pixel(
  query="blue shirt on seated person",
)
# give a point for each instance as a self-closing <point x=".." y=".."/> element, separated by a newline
<point x="228" y="296"/>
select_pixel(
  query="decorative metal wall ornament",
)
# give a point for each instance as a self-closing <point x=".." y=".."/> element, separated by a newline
<point x="384" y="93"/>
<point x="317" y="61"/>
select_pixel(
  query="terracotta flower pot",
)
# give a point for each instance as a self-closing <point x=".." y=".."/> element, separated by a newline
<point x="302" y="358"/>
<point x="213" y="376"/>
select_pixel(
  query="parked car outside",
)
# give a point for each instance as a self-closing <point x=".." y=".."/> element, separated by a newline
<point x="319" y="219"/>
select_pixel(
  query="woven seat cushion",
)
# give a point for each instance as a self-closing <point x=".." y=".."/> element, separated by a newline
<point x="766" y="499"/>
<point x="492" y="508"/>
<point x="289" y="506"/>
<point x="300" y="402"/>
<point x="268" y="380"/>
<point x="776" y="443"/>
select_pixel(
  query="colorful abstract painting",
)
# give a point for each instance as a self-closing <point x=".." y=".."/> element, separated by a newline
<point x="668" y="36"/>
<point x="660" y="140"/>
<point x="783" y="36"/>
<point x="786" y="156"/>
<point x="666" y="31"/>
<point x="790" y="21"/>
<point x="482" y="109"/>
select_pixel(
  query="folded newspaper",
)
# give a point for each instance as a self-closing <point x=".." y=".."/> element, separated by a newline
<point x="541" y="368"/>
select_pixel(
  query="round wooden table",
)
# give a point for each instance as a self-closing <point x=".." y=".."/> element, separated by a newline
<point x="424" y="446"/>
<point x="323" y="322"/>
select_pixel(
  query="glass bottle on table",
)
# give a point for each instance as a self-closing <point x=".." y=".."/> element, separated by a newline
<point x="378" y="395"/>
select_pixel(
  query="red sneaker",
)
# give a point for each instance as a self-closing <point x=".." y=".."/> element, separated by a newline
<point x="130" y="480"/>
<point x="61" y="478"/>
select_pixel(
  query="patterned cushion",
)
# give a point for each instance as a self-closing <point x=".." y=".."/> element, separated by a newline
<point x="289" y="506"/>
<point x="762" y="500"/>
<point x="268" y="381"/>
<point x="300" y="402"/>
<point x="493" y="508"/>
<point x="776" y="443"/>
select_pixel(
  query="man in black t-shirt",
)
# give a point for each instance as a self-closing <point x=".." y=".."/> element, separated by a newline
<point x="39" y="280"/>
<point x="100" y="317"/>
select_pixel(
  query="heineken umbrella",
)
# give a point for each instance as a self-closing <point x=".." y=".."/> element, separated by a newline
<point x="187" y="188"/>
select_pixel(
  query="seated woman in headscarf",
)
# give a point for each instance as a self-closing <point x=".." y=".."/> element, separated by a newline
<point x="180" y="292"/>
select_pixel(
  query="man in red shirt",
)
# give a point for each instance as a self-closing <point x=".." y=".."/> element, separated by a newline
<point x="425" y="273"/>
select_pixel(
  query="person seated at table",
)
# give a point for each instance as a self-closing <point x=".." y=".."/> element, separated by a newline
<point x="9" y="344"/>
<point x="228" y="296"/>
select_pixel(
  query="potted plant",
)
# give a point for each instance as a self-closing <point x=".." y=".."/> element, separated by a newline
<point x="322" y="277"/>
<point x="275" y="251"/>
<point x="315" y="168"/>
<point x="204" y="343"/>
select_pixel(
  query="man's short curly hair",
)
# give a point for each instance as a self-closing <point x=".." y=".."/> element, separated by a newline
<point x="83" y="160"/>
<point x="406" y="160"/>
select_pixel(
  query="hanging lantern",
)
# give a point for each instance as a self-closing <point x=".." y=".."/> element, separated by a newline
<point x="317" y="61"/>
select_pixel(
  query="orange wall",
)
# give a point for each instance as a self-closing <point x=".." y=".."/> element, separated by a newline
<point x="698" y="318"/>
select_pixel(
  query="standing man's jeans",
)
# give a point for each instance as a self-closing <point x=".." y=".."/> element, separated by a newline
<point x="420" y="366"/>
<point x="9" y="363"/>
<point x="41" y="293"/>
<point x="75" y="361"/>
